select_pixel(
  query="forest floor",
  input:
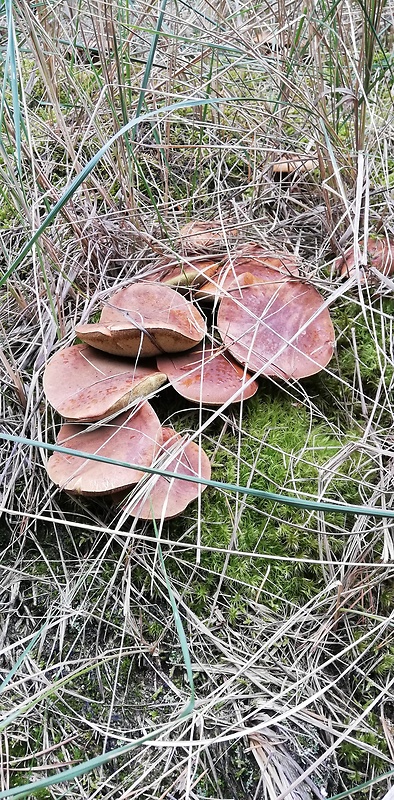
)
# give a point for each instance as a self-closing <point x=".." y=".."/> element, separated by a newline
<point x="243" y="649"/>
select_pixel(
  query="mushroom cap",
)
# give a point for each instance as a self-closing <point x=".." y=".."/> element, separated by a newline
<point x="202" y="236"/>
<point x="133" y="437"/>
<point x="168" y="497"/>
<point x="145" y="319"/>
<point x="295" y="162"/>
<point x="380" y="256"/>
<point x="258" y="319"/>
<point x="265" y="268"/>
<point x="84" y="384"/>
<point x="209" y="376"/>
<point x="191" y="273"/>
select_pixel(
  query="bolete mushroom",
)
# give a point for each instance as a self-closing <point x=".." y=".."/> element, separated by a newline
<point x="280" y="329"/>
<point x="380" y="255"/>
<point x="290" y="163"/>
<point x="207" y="375"/>
<point x="167" y="497"/>
<point x="133" y="437"/>
<point x="145" y="319"/>
<point x="84" y="384"/>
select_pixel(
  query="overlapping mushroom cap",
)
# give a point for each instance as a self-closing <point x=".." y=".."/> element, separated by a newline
<point x="167" y="497"/>
<point x="266" y="267"/>
<point x="207" y="375"/>
<point x="133" y="437"/>
<point x="84" y="384"/>
<point x="280" y="329"/>
<point x="145" y="319"/>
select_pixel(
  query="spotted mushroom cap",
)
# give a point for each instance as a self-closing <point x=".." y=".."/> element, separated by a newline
<point x="84" y="384"/>
<point x="267" y="268"/>
<point x="207" y="375"/>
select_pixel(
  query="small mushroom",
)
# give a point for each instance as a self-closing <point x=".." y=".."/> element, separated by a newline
<point x="84" y="384"/>
<point x="200" y="236"/>
<point x="167" y="497"/>
<point x="290" y="163"/>
<point x="207" y="375"/>
<point x="145" y="319"/>
<point x="380" y="255"/>
<point x="132" y="437"/>
<point x="262" y="324"/>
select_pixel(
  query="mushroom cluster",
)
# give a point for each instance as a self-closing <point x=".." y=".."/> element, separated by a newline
<point x="265" y="320"/>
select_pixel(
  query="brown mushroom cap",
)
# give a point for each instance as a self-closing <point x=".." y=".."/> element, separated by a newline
<point x="168" y="497"/>
<point x="201" y="236"/>
<point x="145" y="319"/>
<point x="380" y="256"/>
<point x="265" y="268"/>
<point x="258" y="319"/>
<point x="133" y="437"/>
<point x="84" y="384"/>
<point x="207" y="376"/>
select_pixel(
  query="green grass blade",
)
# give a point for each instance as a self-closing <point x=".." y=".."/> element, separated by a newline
<point x="297" y="502"/>
<point x="361" y="786"/>
<point x="67" y="775"/>
<point x="20" y="660"/>
<point x="151" y="58"/>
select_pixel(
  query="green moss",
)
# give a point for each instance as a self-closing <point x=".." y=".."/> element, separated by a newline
<point x="292" y="457"/>
<point x="360" y="765"/>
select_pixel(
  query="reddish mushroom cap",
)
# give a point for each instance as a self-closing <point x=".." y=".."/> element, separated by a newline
<point x="133" y="437"/>
<point x="145" y="319"/>
<point x="168" y="497"/>
<point x="380" y="256"/>
<point x="252" y="259"/>
<point x="84" y="384"/>
<point x="262" y="324"/>
<point x="208" y="376"/>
